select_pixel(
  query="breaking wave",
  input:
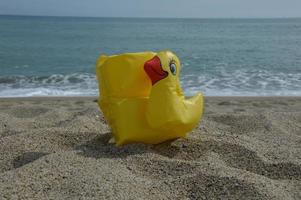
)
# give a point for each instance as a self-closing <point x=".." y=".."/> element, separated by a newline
<point x="218" y="83"/>
<point x="55" y="85"/>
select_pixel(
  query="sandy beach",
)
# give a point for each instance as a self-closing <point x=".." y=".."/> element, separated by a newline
<point x="57" y="148"/>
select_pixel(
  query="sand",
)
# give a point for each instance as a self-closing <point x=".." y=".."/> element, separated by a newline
<point x="244" y="148"/>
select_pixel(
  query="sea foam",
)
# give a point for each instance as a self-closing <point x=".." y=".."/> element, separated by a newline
<point x="219" y="83"/>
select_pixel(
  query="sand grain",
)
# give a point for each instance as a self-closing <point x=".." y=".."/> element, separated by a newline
<point x="56" y="148"/>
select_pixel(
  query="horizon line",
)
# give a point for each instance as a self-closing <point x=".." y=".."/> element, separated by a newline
<point x="148" y="17"/>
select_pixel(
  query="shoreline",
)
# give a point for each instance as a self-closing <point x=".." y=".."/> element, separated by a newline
<point x="96" y="97"/>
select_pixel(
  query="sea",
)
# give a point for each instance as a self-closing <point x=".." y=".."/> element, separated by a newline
<point x="55" y="56"/>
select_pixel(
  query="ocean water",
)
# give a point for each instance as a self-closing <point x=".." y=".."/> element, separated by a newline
<point x="55" y="56"/>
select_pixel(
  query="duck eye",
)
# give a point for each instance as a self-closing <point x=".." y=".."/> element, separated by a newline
<point x="173" y="68"/>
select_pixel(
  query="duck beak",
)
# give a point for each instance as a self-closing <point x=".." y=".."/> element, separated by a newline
<point x="154" y="70"/>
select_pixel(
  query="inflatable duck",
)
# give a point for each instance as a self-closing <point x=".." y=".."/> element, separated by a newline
<point x="142" y="99"/>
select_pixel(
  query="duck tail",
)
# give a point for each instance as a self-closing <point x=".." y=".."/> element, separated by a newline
<point x="101" y="60"/>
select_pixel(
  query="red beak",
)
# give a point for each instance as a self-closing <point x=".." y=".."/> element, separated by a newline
<point x="154" y="70"/>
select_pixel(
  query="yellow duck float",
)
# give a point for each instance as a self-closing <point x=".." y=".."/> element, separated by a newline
<point x="142" y="99"/>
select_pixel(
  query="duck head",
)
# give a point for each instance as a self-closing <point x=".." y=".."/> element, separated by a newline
<point x="167" y="109"/>
<point x="164" y="67"/>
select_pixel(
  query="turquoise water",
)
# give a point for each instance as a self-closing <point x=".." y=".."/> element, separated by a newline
<point x="56" y="55"/>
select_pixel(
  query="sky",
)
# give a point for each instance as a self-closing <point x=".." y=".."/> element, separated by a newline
<point x="155" y="8"/>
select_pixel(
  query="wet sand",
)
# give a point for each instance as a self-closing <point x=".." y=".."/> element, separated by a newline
<point x="57" y="148"/>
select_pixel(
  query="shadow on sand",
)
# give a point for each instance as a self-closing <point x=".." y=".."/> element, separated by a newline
<point x="99" y="147"/>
